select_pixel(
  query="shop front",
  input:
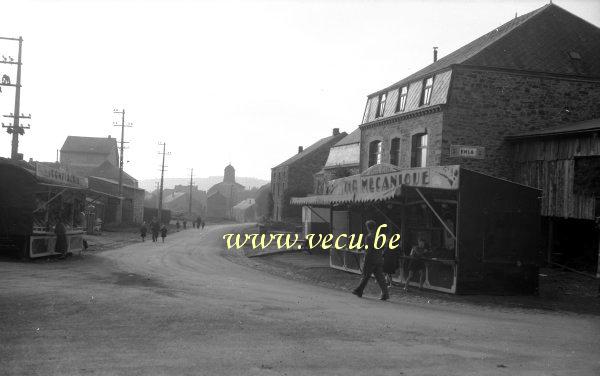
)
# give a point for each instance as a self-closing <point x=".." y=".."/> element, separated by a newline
<point x="33" y="196"/>
<point x="482" y="233"/>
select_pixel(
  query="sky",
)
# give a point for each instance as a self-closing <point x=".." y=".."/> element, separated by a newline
<point x="223" y="82"/>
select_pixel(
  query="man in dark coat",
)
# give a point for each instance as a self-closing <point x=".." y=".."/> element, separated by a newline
<point x="154" y="228"/>
<point x="373" y="264"/>
<point x="61" y="239"/>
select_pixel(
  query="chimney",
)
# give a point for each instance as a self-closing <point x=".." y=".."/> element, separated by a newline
<point x="109" y="136"/>
<point x="300" y="149"/>
<point x="434" y="54"/>
<point x="336" y="131"/>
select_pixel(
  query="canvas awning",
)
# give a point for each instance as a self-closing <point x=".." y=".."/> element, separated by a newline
<point x="348" y="198"/>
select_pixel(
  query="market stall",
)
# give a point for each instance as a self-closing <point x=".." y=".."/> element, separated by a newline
<point x="33" y="197"/>
<point x="482" y="233"/>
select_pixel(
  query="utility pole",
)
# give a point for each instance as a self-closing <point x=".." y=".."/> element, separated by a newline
<point x="162" y="176"/>
<point x="123" y="142"/>
<point x="15" y="128"/>
<point x="191" y="182"/>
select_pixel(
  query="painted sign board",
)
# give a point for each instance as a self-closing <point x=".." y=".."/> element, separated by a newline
<point x="440" y="177"/>
<point x="59" y="176"/>
<point x="464" y="151"/>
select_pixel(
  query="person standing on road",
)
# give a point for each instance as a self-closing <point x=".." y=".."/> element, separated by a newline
<point x="163" y="232"/>
<point x="154" y="228"/>
<point x="184" y="224"/>
<point x="203" y="225"/>
<point x="416" y="264"/>
<point x="373" y="264"/>
<point x="198" y="221"/>
<point x="177" y="225"/>
<point x="61" y="238"/>
<point x="143" y="231"/>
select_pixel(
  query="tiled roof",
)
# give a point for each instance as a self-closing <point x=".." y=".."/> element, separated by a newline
<point x="587" y="126"/>
<point x="97" y="145"/>
<point x="312" y="148"/>
<point x="540" y="41"/>
<point x="245" y="204"/>
<point x="352" y="138"/>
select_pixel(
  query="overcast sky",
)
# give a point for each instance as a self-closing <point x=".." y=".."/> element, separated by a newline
<point x="219" y="82"/>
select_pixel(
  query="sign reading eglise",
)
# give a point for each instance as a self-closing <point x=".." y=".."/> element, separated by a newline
<point x="373" y="181"/>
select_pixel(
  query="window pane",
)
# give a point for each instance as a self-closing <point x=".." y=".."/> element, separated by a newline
<point x="404" y="90"/>
<point x="424" y="140"/>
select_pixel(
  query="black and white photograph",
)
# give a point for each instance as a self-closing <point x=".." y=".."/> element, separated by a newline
<point x="300" y="187"/>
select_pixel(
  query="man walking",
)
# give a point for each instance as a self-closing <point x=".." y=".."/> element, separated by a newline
<point x="61" y="244"/>
<point x="154" y="228"/>
<point x="373" y="264"/>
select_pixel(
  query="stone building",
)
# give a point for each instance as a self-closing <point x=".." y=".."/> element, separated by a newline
<point x="97" y="158"/>
<point x="536" y="71"/>
<point x="295" y="176"/>
<point x="245" y="211"/>
<point x="88" y="152"/>
<point x="494" y="101"/>
<point x="218" y="206"/>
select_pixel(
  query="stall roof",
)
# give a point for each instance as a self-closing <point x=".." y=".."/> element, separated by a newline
<point x="340" y="199"/>
<point x="587" y="126"/>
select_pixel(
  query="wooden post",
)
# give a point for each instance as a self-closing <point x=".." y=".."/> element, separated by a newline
<point x="550" y="245"/>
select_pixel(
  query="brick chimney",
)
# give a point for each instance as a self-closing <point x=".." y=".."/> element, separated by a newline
<point x="336" y="131"/>
<point x="435" y="54"/>
<point x="300" y="149"/>
<point x="109" y="136"/>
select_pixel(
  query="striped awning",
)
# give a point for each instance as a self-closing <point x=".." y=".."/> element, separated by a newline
<point x="323" y="200"/>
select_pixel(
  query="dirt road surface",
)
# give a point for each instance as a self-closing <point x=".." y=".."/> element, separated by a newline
<point x="181" y="308"/>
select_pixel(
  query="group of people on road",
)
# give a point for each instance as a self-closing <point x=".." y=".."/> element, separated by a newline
<point x="384" y="263"/>
<point x="156" y="228"/>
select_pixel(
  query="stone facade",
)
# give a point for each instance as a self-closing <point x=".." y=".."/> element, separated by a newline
<point x="404" y="128"/>
<point x="485" y="106"/>
<point x="295" y="177"/>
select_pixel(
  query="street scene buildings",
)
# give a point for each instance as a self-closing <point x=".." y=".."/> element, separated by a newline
<point x="451" y="226"/>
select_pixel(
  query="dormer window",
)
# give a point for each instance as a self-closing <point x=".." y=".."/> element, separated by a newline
<point x="402" y="94"/>
<point x="426" y="92"/>
<point x="381" y="105"/>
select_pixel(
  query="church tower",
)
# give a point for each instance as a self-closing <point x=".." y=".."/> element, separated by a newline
<point x="229" y="175"/>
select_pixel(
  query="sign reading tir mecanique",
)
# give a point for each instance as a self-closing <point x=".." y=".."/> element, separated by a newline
<point x="441" y="177"/>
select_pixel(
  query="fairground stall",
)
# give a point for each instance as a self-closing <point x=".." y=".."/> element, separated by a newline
<point x="33" y="196"/>
<point x="482" y="233"/>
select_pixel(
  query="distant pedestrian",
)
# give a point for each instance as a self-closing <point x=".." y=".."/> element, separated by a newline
<point x="198" y="221"/>
<point x="373" y="264"/>
<point x="177" y="225"/>
<point x="163" y="232"/>
<point x="417" y="263"/>
<point x="61" y="244"/>
<point x="143" y="231"/>
<point x="203" y="225"/>
<point x="154" y="228"/>
<point x="184" y="224"/>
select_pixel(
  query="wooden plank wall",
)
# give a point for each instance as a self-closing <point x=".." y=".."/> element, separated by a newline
<point x="548" y="164"/>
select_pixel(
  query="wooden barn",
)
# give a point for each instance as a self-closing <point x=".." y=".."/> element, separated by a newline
<point x="564" y="162"/>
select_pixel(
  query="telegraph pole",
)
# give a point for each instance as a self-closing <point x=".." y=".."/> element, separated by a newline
<point x="123" y="142"/>
<point x="15" y="128"/>
<point x="191" y="182"/>
<point x="162" y="176"/>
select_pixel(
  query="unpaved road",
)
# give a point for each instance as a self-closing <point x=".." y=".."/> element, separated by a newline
<point x="181" y="308"/>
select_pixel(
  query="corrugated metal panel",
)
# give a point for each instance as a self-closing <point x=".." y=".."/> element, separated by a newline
<point x="343" y="155"/>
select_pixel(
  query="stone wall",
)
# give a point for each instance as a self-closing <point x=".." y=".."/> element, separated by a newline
<point x="404" y="129"/>
<point x="485" y="106"/>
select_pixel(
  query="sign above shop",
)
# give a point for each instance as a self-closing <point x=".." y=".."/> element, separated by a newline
<point x="463" y="151"/>
<point x="59" y="176"/>
<point x="440" y="177"/>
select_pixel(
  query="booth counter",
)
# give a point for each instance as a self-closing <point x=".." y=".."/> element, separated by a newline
<point x="482" y="233"/>
<point x="32" y="198"/>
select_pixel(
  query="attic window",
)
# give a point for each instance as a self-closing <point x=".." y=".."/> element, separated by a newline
<point x="575" y="55"/>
